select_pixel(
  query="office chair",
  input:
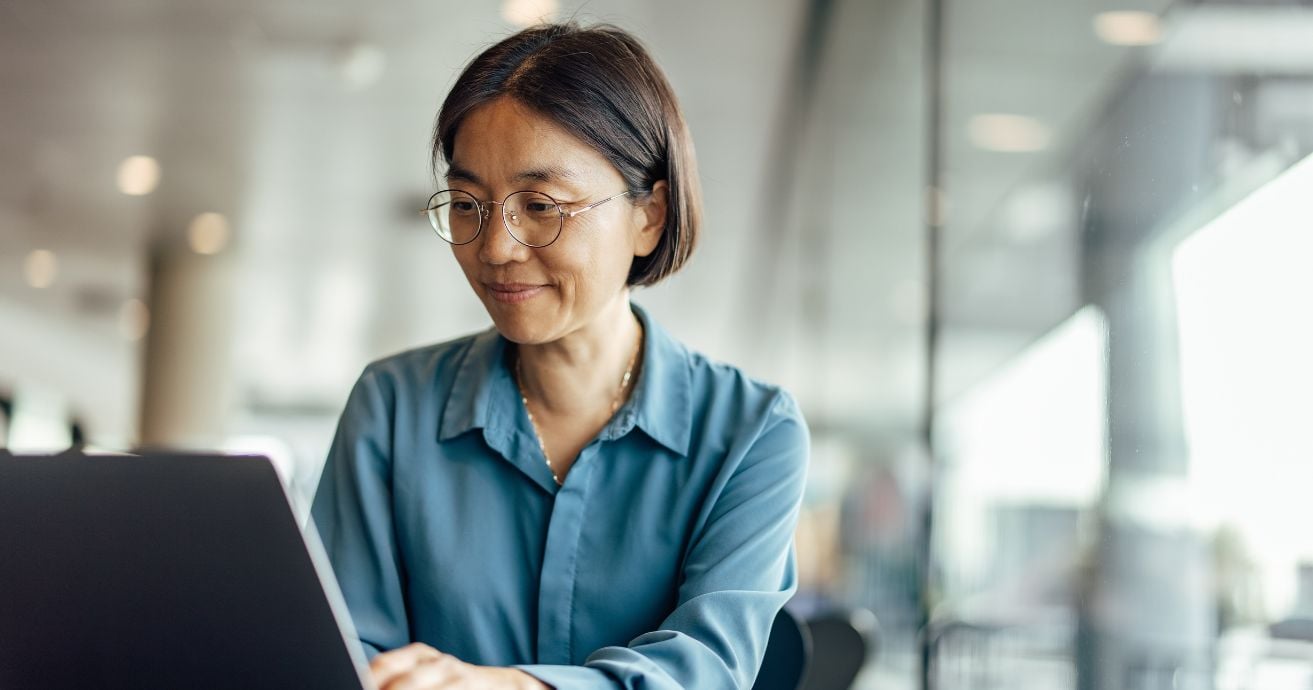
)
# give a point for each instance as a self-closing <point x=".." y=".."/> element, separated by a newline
<point x="788" y="654"/>
<point x="842" y="642"/>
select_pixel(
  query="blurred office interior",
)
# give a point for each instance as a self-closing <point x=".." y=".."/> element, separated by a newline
<point x="1038" y="273"/>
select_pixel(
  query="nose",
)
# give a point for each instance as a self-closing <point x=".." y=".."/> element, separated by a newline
<point x="496" y="246"/>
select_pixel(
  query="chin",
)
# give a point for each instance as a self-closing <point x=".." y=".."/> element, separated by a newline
<point x="520" y="328"/>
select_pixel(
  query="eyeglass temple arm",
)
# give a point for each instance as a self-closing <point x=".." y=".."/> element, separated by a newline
<point x="595" y="204"/>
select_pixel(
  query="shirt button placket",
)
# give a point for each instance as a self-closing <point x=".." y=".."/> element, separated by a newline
<point x="560" y="556"/>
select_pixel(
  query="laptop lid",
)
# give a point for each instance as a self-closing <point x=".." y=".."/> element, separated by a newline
<point x="164" y="571"/>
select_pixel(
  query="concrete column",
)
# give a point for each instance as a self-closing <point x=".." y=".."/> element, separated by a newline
<point x="1147" y="615"/>
<point x="188" y="390"/>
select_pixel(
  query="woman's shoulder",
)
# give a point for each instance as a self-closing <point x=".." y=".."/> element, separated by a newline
<point x="733" y="394"/>
<point x="723" y="397"/>
<point x="742" y="421"/>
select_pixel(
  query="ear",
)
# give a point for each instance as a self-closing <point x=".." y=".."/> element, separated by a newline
<point x="650" y="219"/>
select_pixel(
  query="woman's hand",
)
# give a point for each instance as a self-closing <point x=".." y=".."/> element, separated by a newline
<point x="420" y="667"/>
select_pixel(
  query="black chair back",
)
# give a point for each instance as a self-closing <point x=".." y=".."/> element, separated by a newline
<point x="788" y="655"/>
<point x="842" y="642"/>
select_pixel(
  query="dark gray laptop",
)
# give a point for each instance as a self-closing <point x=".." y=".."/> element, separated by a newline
<point x="163" y="571"/>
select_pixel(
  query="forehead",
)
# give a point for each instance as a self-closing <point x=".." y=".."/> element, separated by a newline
<point x="506" y="141"/>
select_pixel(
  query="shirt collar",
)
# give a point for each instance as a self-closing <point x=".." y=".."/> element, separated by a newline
<point x="478" y="374"/>
<point x="483" y="393"/>
<point x="663" y="399"/>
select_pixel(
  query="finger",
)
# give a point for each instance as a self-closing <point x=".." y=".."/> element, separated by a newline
<point x="426" y="676"/>
<point x="390" y="665"/>
<point x="410" y="655"/>
<point x="385" y="670"/>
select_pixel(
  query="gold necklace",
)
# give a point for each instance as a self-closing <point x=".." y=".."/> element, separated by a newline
<point x="615" y="404"/>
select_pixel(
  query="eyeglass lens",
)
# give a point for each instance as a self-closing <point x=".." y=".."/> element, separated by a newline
<point x="532" y="218"/>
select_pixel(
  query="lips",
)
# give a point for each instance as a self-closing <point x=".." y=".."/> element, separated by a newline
<point x="513" y="293"/>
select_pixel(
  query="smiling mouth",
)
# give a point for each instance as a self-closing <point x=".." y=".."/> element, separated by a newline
<point x="513" y="293"/>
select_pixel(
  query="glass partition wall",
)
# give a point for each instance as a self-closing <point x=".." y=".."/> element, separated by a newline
<point x="1124" y="212"/>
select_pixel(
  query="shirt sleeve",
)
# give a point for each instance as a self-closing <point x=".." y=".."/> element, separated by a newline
<point x="738" y="573"/>
<point x="352" y="512"/>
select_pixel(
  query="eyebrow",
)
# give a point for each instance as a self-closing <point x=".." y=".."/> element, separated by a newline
<point x="543" y="174"/>
<point x="548" y="174"/>
<point x="455" y="172"/>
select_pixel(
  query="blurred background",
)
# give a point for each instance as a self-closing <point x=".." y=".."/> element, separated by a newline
<point x="1037" y="271"/>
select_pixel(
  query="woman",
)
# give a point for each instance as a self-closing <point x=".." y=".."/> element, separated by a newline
<point x="572" y="499"/>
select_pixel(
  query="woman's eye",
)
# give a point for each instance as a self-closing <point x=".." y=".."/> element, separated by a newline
<point x="462" y="207"/>
<point x="540" y="207"/>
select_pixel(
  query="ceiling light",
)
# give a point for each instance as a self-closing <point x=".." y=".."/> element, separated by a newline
<point x="40" y="268"/>
<point x="138" y="175"/>
<point x="134" y="320"/>
<point x="1008" y="133"/>
<point x="526" y="13"/>
<point x="1126" y="28"/>
<point x="1035" y="212"/>
<point x="208" y="233"/>
<point x="362" y="65"/>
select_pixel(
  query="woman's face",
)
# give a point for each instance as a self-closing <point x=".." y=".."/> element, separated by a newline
<point x="538" y="295"/>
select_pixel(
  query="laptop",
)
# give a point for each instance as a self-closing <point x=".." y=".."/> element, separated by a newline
<point x="164" y="571"/>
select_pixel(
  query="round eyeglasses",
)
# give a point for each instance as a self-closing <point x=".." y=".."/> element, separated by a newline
<point x="533" y="218"/>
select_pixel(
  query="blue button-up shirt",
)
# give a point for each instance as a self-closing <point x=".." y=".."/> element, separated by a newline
<point x="660" y="563"/>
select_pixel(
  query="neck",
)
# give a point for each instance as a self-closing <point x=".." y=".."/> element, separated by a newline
<point x="581" y="372"/>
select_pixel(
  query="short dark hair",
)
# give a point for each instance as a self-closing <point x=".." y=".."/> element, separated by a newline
<point x="602" y="86"/>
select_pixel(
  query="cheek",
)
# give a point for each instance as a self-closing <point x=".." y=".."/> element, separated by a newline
<point x="599" y="265"/>
<point x="577" y="272"/>
<point x="611" y="247"/>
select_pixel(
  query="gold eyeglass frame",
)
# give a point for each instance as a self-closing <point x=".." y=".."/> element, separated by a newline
<point x="485" y="211"/>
